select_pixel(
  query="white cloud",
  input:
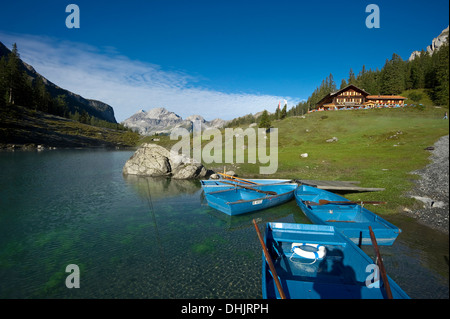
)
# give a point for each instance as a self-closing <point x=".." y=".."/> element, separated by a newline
<point x="127" y="85"/>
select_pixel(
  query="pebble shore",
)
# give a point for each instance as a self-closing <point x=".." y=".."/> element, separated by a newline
<point x="432" y="189"/>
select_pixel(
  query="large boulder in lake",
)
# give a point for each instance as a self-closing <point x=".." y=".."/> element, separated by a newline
<point x="154" y="160"/>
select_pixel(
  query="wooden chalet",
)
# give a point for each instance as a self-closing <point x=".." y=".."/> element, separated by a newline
<point x="353" y="97"/>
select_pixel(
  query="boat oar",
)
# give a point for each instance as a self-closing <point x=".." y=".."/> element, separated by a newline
<point x="251" y="188"/>
<point x="325" y="202"/>
<point x="237" y="179"/>
<point x="269" y="262"/>
<point x="380" y="264"/>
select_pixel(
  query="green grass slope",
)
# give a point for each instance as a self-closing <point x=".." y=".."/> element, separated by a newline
<point x="378" y="147"/>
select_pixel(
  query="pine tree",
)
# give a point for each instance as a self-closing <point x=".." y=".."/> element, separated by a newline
<point x="441" y="89"/>
<point x="416" y="71"/>
<point x="330" y="84"/>
<point x="277" y="113"/>
<point x="426" y="62"/>
<point x="265" y="121"/>
<point x="15" y="84"/>
<point x="327" y="86"/>
<point x="3" y="87"/>
<point x="351" y="77"/>
<point x="84" y="117"/>
<point x="283" y="112"/>
<point x="41" y="98"/>
<point x="343" y="84"/>
<point x="61" y="106"/>
<point x="393" y="76"/>
<point x="13" y="75"/>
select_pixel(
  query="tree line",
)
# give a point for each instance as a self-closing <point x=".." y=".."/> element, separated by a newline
<point x="426" y="71"/>
<point x="264" y="119"/>
<point x="18" y="88"/>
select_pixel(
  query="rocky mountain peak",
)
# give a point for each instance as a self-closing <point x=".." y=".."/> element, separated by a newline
<point x="161" y="121"/>
<point x="194" y="118"/>
<point x="435" y="44"/>
<point x="161" y="113"/>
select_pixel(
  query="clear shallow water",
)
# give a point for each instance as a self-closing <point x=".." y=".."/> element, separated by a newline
<point x="152" y="238"/>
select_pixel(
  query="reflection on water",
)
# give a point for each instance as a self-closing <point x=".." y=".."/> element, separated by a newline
<point x="136" y="237"/>
<point x="161" y="187"/>
<point x="235" y="222"/>
<point x="417" y="260"/>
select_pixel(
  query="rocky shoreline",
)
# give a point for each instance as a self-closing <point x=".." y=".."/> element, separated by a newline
<point x="25" y="147"/>
<point x="432" y="189"/>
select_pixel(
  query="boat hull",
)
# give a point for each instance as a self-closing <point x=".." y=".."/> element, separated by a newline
<point x="340" y="274"/>
<point x="236" y="201"/>
<point x="213" y="185"/>
<point x="351" y="219"/>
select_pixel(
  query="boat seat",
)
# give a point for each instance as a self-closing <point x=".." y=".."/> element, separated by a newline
<point x="314" y="240"/>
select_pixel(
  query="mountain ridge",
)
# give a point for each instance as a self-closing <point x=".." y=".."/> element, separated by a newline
<point x="161" y="121"/>
<point x="75" y="102"/>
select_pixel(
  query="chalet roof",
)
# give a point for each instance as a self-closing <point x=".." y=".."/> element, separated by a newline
<point x="351" y="86"/>
<point x="385" y="97"/>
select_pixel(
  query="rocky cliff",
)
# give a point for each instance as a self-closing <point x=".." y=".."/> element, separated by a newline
<point x="435" y="44"/>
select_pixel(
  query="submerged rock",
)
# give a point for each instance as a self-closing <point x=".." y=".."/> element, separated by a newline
<point x="154" y="160"/>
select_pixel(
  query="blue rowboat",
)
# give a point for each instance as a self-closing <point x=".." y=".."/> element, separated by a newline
<point x="243" y="199"/>
<point x="338" y="268"/>
<point x="213" y="185"/>
<point x="350" y="218"/>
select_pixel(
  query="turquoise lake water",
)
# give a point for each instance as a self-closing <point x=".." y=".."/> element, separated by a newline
<point x="153" y="238"/>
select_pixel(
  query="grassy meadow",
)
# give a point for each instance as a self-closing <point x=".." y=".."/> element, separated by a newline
<point x="378" y="147"/>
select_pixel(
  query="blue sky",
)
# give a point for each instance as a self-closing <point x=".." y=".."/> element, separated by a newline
<point x="213" y="58"/>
